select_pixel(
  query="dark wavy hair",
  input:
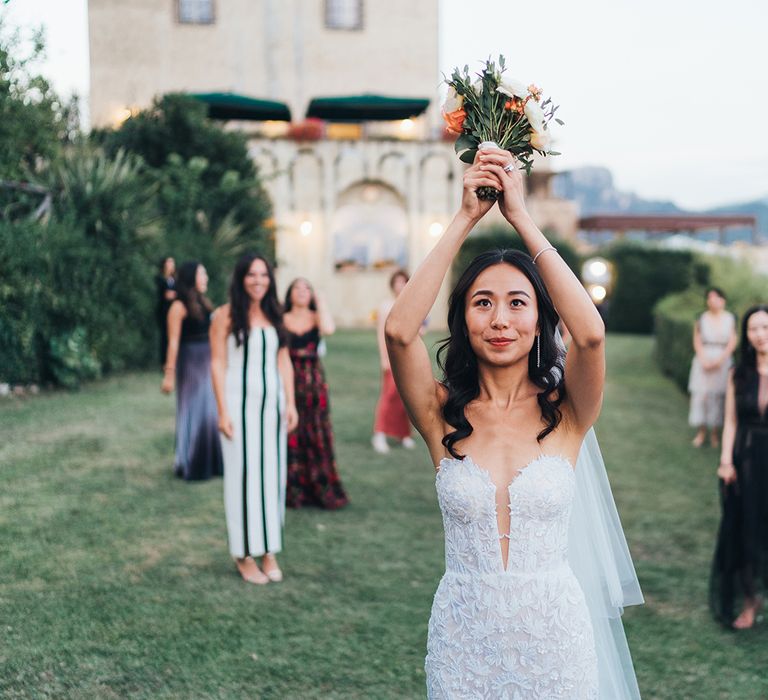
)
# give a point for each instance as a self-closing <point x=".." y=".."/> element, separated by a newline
<point x="161" y="263"/>
<point x="400" y="272"/>
<point x="459" y="362"/>
<point x="240" y="302"/>
<point x="288" y="305"/>
<point x="196" y="303"/>
<point x="746" y="365"/>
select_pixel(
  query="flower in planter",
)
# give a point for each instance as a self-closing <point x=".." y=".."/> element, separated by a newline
<point x="311" y="129"/>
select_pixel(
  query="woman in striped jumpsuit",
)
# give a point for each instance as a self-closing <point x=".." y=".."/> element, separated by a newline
<point x="253" y="383"/>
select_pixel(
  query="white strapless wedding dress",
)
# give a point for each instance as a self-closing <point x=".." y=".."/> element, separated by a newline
<point x="520" y="633"/>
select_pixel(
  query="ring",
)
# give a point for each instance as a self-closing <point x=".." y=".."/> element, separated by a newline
<point x="508" y="167"/>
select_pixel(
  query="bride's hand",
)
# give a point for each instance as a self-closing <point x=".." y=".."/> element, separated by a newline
<point x="512" y="201"/>
<point x="471" y="205"/>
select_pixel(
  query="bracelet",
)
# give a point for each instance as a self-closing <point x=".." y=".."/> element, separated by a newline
<point x="168" y="369"/>
<point x="543" y="250"/>
<point x="725" y="464"/>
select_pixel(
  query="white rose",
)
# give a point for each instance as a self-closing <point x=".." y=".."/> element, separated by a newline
<point x="535" y="115"/>
<point x="513" y="88"/>
<point x="541" y="141"/>
<point x="453" y="101"/>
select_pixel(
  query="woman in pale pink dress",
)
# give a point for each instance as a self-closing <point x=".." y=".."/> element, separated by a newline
<point x="714" y="340"/>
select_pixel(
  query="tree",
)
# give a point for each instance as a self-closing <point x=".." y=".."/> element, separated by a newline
<point x="34" y="121"/>
<point x="207" y="179"/>
<point x="77" y="293"/>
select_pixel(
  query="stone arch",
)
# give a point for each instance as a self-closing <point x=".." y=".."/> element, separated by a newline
<point x="369" y="227"/>
<point x="349" y="166"/>
<point x="436" y="177"/>
<point x="267" y="166"/>
<point x="306" y="181"/>
<point x="393" y="167"/>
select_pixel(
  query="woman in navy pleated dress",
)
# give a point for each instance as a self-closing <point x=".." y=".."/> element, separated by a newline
<point x="188" y="370"/>
<point x="253" y="383"/>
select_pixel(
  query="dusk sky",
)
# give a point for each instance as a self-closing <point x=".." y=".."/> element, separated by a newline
<point x="668" y="94"/>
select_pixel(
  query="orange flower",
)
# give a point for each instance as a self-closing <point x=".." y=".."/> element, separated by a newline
<point x="455" y="120"/>
<point x="535" y="91"/>
<point x="508" y="105"/>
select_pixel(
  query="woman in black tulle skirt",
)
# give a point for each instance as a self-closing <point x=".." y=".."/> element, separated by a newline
<point x="740" y="567"/>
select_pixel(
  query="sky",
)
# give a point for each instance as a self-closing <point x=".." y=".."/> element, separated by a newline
<point x="670" y="95"/>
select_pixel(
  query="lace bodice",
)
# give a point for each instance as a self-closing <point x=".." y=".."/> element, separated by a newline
<point x="540" y="500"/>
<point x="522" y="632"/>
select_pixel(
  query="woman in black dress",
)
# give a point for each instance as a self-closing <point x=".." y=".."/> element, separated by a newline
<point x="740" y="567"/>
<point x="198" y="447"/>
<point x="165" y="284"/>
<point x="312" y="476"/>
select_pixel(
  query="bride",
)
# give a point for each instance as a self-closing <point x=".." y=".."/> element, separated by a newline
<point x="510" y="618"/>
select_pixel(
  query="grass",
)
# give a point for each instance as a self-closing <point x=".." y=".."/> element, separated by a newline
<point x="115" y="579"/>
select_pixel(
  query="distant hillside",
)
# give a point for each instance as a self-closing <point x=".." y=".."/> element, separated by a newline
<point x="757" y="207"/>
<point x="594" y="190"/>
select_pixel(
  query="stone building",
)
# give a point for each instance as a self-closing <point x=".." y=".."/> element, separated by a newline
<point x="356" y="195"/>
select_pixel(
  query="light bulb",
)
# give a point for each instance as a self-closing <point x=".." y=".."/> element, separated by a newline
<point x="435" y="229"/>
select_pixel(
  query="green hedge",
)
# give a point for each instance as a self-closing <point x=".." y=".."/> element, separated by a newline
<point x="643" y="275"/>
<point x="674" y="317"/>
<point x="676" y="314"/>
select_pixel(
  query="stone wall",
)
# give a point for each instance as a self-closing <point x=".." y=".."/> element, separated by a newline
<point x="271" y="49"/>
<point x="309" y="183"/>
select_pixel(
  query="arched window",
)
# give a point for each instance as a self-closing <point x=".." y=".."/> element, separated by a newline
<point x="370" y="228"/>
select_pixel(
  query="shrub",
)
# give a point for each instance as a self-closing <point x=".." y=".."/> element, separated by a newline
<point x="21" y="292"/>
<point x="101" y="268"/>
<point x="674" y="318"/>
<point x="76" y="292"/>
<point x="71" y="360"/>
<point x="188" y="233"/>
<point x="175" y="134"/>
<point x="643" y="275"/>
<point x="34" y="121"/>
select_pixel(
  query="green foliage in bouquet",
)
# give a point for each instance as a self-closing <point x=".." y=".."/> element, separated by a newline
<point x="504" y="111"/>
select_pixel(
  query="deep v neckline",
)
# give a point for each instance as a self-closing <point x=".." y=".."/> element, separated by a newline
<point x="489" y="479"/>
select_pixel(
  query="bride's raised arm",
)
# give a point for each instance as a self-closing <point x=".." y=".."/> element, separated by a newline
<point x="585" y="364"/>
<point x="408" y="355"/>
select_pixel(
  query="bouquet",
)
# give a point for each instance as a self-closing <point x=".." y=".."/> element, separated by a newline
<point x="494" y="111"/>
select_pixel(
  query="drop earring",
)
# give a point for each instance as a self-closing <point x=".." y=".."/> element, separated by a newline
<point x="538" y="351"/>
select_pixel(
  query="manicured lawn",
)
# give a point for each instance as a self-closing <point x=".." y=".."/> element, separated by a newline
<point x="115" y="579"/>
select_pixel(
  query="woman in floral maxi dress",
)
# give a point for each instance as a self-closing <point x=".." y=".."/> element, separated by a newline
<point x="312" y="475"/>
